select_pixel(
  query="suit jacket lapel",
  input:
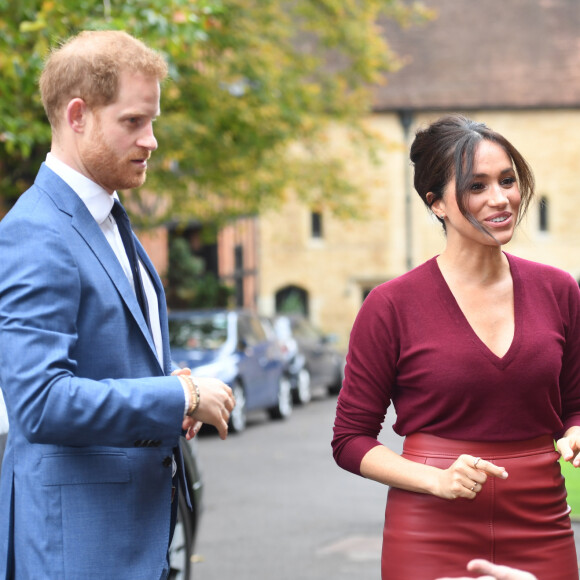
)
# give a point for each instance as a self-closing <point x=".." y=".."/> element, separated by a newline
<point x="86" y="226"/>
<point x="161" y="303"/>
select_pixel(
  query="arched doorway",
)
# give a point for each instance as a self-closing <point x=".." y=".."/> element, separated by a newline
<point x="292" y="299"/>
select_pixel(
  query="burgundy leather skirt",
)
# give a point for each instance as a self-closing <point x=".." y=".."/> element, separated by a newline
<point x="522" y="521"/>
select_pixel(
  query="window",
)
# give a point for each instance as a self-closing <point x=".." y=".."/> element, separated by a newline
<point x="543" y="214"/>
<point x="198" y="331"/>
<point x="239" y="274"/>
<point x="316" y="224"/>
<point x="250" y="330"/>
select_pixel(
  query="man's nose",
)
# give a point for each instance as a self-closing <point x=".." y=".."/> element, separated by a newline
<point x="147" y="140"/>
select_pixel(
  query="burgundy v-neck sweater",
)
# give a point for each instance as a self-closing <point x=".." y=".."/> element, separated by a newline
<point x="411" y="345"/>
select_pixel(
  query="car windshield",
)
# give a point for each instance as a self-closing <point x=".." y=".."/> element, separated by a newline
<point x="199" y="332"/>
<point x="303" y="329"/>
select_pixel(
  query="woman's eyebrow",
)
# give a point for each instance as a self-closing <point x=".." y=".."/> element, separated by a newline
<point x="503" y="172"/>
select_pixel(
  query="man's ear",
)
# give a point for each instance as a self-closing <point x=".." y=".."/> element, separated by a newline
<point x="76" y="115"/>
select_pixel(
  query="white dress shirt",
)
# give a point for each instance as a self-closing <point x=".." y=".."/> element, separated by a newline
<point x="99" y="203"/>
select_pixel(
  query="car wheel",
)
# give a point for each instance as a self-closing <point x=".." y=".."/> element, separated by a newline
<point x="238" y="416"/>
<point x="334" y="389"/>
<point x="302" y="394"/>
<point x="182" y="544"/>
<point x="283" y="407"/>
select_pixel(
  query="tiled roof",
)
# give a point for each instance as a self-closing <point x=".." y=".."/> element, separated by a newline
<point x="487" y="54"/>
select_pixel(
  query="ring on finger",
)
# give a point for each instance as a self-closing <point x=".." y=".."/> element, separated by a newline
<point x="476" y="461"/>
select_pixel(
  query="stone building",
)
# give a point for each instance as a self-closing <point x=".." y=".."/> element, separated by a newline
<point x="514" y="64"/>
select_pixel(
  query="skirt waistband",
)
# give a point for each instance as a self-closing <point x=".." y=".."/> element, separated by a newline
<point x="433" y="446"/>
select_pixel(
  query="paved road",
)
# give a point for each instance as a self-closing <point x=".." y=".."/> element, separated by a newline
<point x="278" y="508"/>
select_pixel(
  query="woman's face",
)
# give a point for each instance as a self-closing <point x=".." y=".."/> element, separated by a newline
<point x="493" y="200"/>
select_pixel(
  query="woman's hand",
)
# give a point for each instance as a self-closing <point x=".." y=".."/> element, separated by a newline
<point x="493" y="572"/>
<point x="569" y="446"/>
<point x="466" y="477"/>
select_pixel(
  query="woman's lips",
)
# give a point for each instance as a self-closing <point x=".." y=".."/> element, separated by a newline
<point x="499" y="220"/>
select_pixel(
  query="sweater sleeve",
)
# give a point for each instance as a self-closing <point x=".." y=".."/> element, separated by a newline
<point x="570" y="374"/>
<point x="369" y="375"/>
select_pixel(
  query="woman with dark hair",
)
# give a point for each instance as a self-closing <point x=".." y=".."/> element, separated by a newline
<point x="479" y="352"/>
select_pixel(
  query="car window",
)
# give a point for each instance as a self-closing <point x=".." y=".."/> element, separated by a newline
<point x="201" y="332"/>
<point x="268" y="328"/>
<point x="250" y="330"/>
<point x="257" y="329"/>
<point x="282" y="328"/>
<point x="303" y="329"/>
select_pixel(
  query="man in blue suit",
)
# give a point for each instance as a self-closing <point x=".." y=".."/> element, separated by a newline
<point x="92" y="459"/>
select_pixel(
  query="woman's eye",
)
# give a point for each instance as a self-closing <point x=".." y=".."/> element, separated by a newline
<point x="477" y="186"/>
<point x="508" y="181"/>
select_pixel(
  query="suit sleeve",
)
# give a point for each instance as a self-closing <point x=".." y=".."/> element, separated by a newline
<point x="60" y="326"/>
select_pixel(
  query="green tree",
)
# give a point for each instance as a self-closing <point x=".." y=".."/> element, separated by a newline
<point x="249" y="80"/>
<point x="189" y="285"/>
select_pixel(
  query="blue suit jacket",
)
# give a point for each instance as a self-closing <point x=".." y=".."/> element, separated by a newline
<point x="85" y="489"/>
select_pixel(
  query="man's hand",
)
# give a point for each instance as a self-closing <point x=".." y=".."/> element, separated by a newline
<point x="191" y="427"/>
<point x="491" y="571"/>
<point x="216" y="402"/>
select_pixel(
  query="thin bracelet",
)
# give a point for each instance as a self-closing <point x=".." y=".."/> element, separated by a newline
<point x="194" y="394"/>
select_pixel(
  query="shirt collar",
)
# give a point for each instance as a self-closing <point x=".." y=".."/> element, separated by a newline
<point x="98" y="201"/>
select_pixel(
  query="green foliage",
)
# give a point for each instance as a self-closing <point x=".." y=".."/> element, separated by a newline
<point x="572" y="476"/>
<point x="190" y="286"/>
<point x="293" y="304"/>
<point x="249" y="78"/>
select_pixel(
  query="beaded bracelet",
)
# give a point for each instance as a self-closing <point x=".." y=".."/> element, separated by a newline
<point x="194" y="394"/>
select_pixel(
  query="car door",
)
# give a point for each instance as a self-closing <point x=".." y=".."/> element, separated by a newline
<point x="257" y="369"/>
<point x="320" y="355"/>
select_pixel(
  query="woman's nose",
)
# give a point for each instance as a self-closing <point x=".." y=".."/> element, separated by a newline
<point x="498" y="196"/>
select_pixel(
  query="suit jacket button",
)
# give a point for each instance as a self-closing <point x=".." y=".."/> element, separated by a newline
<point x="167" y="462"/>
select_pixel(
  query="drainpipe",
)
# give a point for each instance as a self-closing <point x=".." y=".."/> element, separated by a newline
<point x="406" y="119"/>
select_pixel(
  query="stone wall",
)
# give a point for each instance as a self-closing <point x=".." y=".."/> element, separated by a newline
<point x="353" y="256"/>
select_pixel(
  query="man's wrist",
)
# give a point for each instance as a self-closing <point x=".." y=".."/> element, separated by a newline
<point x="194" y="394"/>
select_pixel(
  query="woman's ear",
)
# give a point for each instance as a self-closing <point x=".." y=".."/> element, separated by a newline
<point x="437" y="205"/>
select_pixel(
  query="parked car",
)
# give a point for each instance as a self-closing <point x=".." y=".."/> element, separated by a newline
<point x="313" y="360"/>
<point x="182" y="547"/>
<point x="233" y="346"/>
<point x="294" y="363"/>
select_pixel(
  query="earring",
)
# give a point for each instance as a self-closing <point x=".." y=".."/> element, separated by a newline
<point x="441" y="217"/>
